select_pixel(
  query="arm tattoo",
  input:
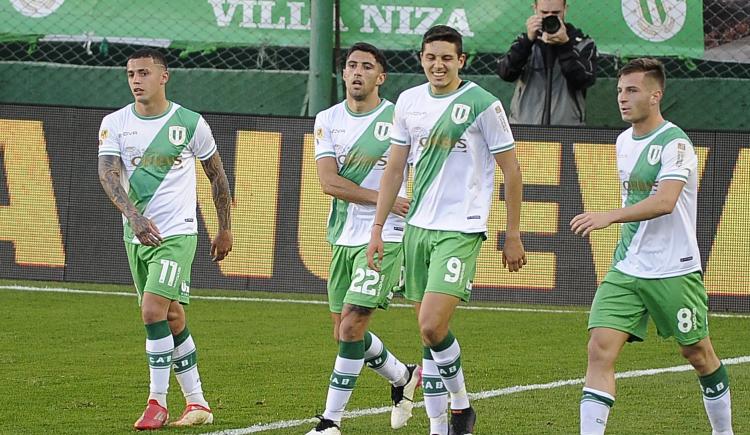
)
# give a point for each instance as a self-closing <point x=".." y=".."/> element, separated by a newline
<point x="219" y="190"/>
<point x="110" y="168"/>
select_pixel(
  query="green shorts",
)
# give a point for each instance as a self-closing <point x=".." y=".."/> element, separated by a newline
<point x="440" y="262"/>
<point x="163" y="270"/>
<point x="352" y="282"/>
<point x="678" y="305"/>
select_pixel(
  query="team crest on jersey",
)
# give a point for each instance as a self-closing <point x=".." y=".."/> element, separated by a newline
<point x="382" y="130"/>
<point x="654" y="154"/>
<point x="460" y="113"/>
<point x="177" y="134"/>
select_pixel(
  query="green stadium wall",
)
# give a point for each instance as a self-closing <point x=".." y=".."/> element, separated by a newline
<point x="284" y="93"/>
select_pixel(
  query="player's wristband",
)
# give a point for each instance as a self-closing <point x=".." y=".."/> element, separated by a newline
<point x="377" y="225"/>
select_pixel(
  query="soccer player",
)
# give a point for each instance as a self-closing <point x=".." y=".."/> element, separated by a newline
<point x="147" y="153"/>
<point x="656" y="269"/>
<point x="351" y="147"/>
<point x="455" y="132"/>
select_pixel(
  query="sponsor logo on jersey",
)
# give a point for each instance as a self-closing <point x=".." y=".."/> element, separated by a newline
<point x="416" y="114"/>
<point x="501" y="118"/>
<point x="639" y="185"/>
<point x="444" y="142"/>
<point x="319" y="133"/>
<point x="156" y="160"/>
<point x="177" y="134"/>
<point x="680" y="154"/>
<point x="103" y="135"/>
<point x="460" y="113"/>
<point x="382" y="130"/>
<point x="654" y="154"/>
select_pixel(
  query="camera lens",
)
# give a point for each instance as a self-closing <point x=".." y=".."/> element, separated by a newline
<point x="550" y="24"/>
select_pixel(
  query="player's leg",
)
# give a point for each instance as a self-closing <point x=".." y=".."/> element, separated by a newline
<point x="451" y="271"/>
<point x="679" y="307"/>
<point x="714" y="381"/>
<point x="348" y="364"/>
<point x="416" y="260"/>
<point x="178" y="253"/>
<point x="350" y="357"/>
<point x="434" y="318"/>
<point x="404" y="379"/>
<point x="599" y="389"/>
<point x="185" y="364"/>
<point x="159" y="343"/>
<point x="339" y="280"/>
<point x="617" y="316"/>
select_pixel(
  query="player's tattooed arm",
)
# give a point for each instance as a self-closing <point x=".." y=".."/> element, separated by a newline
<point x="110" y="170"/>
<point x="219" y="190"/>
<point x="221" y="245"/>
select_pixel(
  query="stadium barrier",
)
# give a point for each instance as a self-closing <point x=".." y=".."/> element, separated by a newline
<point x="73" y="53"/>
<point x="248" y="92"/>
<point x="57" y="224"/>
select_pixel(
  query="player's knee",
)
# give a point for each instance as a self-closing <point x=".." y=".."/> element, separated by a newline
<point x="432" y="333"/>
<point x="698" y="356"/>
<point x="354" y="322"/>
<point x="176" y="325"/>
<point x="348" y="330"/>
<point x="152" y="314"/>
<point x="600" y="352"/>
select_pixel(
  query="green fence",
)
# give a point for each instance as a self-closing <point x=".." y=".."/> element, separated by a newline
<point x="252" y="56"/>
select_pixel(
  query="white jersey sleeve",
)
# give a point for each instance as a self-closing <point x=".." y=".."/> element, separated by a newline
<point x="678" y="160"/>
<point x="400" y="131"/>
<point x="203" y="145"/>
<point x="323" y="140"/>
<point x="494" y="126"/>
<point x="109" y="134"/>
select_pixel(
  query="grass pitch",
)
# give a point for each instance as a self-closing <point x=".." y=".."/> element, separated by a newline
<point x="74" y="363"/>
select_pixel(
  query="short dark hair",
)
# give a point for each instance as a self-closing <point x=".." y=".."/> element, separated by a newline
<point x="153" y="53"/>
<point x="368" y="48"/>
<point x="651" y="67"/>
<point x="444" y="33"/>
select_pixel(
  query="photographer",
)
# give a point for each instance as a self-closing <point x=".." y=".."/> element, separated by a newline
<point x="553" y="64"/>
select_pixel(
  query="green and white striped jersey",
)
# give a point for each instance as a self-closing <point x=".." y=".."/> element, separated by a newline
<point x="665" y="246"/>
<point x="453" y="139"/>
<point x="158" y="154"/>
<point x="360" y="143"/>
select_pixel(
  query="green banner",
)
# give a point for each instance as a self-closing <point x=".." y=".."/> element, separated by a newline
<point x="625" y="27"/>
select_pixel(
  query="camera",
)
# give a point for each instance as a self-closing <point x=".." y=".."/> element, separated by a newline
<point x="550" y="24"/>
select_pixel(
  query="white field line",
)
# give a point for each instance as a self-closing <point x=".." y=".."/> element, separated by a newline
<point x="279" y="300"/>
<point x="284" y="424"/>
<point x="314" y="302"/>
